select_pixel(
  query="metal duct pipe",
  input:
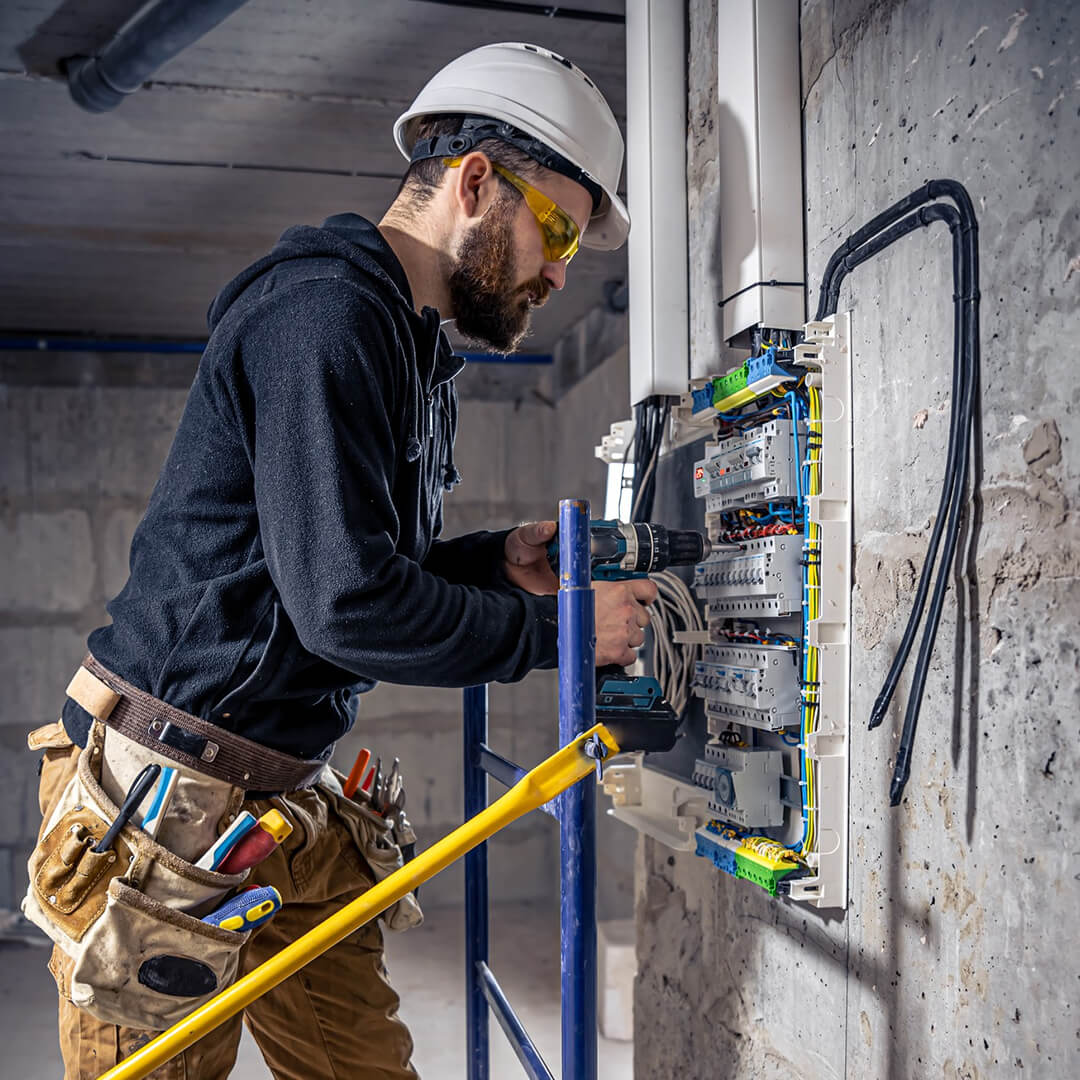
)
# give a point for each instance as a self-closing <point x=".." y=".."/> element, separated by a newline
<point x="156" y="33"/>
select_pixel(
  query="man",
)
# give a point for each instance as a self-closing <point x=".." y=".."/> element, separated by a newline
<point x="288" y="559"/>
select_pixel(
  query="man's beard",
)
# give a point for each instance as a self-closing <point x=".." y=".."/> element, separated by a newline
<point x="488" y="308"/>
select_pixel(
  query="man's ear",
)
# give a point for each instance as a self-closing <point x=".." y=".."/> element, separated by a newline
<point x="474" y="185"/>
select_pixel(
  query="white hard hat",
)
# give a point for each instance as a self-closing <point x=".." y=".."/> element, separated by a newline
<point x="548" y="98"/>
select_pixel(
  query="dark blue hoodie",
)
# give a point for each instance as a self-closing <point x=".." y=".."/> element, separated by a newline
<point x="287" y="554"/>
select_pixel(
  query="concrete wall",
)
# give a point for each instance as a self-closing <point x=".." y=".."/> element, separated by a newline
<point x="77" y="463"/>
<point x="956" y="957"/>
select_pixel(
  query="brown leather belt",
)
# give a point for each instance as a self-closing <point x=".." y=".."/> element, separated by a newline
<point x="184" y="738"/>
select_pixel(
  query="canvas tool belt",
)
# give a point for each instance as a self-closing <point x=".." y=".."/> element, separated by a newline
<point x="129" y="918"/>
<point x="186" y="739"/>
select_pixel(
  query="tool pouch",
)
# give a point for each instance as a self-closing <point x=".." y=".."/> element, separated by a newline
<point x="129" y="917"/>
<point x="374" y="839"/>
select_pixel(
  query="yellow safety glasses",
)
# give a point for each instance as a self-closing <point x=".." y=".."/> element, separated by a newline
<point x="558" y="230"/>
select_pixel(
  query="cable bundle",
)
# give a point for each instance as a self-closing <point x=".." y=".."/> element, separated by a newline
<point x="897" y="221"/>
<point x="650" y="421"/>
<point x="673" y="663"/>
<point x="810" y="470"/>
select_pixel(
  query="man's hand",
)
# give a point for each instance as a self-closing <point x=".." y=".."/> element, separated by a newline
<point x="621" y="618"/>
<point x="526" y="563"/>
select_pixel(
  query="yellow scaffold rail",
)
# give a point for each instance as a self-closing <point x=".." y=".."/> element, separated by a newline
<point x="540" y="785"/>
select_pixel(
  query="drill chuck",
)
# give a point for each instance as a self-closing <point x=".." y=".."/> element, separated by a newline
<point x="619" y="549"/>
<point x="686" y="547"/>
<point x="651" y="548"/>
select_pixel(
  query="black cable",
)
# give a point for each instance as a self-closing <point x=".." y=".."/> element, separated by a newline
<point x="650" y="422"/>
<point x="931" y="190"/>
<point x="970" y="352"/>
<point x="882" y="231"/>
<point x="881" y="704"/>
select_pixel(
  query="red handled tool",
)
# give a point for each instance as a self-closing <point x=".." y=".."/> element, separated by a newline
<point x="253" y="847"/>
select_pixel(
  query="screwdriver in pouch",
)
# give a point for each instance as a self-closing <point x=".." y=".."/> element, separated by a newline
<point x="255" y="845"/>
<point x="246" y="910"/>
<point x="357" y="773"/>
<point x="219" y="850"/>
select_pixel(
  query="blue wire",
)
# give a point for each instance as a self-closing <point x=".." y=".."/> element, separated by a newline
<point x="796" y="406"/>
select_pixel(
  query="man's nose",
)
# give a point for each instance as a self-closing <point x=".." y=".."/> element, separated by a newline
<point x="554" y="273"/>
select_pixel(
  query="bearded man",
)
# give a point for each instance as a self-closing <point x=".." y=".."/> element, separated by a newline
<point x="289" y="558"/>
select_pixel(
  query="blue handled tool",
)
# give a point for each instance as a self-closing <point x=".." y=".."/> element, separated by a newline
<point x="163" y="794"/>
<point x="246" y="910"/>
<point x="215" y="854"/>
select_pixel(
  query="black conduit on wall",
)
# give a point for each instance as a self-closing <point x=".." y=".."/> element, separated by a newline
<point x="156" y="33"/>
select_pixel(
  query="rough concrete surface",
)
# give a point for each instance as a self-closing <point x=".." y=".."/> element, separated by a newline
<point x="956" y="957"/>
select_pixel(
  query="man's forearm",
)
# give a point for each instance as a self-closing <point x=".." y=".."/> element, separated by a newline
<point x="473" y="559"/>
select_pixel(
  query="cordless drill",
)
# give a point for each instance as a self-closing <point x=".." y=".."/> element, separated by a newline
<point x="619" y="551"/>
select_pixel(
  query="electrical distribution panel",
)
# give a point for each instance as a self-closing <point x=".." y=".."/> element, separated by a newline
<point x="767" y="801"/>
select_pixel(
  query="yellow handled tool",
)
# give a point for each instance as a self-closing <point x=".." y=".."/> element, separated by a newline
<point x="550" y="778"/>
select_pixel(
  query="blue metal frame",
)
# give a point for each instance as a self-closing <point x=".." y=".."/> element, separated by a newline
<point x="44" y="343"/>
<point x="576" y="811"/>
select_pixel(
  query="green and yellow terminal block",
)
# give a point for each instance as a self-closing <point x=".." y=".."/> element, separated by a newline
<point x="750" y="380"/>
<point x="730" y="852"/>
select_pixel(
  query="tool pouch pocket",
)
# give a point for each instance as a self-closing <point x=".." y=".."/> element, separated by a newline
<point x="128" y="917"/>
<point x="374" y="840"/>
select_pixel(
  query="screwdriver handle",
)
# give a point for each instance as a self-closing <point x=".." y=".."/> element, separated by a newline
<point x="356" y="774"/>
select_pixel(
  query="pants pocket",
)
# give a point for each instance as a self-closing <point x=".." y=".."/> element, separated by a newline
<point x="374" y="840"/>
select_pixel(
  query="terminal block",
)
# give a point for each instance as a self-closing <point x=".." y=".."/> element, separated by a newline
<point x="753" y="467"/>
<point x="762" y="579"/>
<point x="745" y="784"/>
<point x="720" y="843"/>
<point x="756" y="685"/>
<point x="762" y="870"/>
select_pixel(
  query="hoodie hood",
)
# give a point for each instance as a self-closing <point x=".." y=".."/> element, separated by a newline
<point x="345" y="238"/>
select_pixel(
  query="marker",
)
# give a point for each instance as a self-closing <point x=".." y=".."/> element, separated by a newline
<point x="247" y="910"/>
<point x="251" y="849"/>
<point x="215" y="854"/>
<point x="163" y="794"/>
<point x="140" y="786"/>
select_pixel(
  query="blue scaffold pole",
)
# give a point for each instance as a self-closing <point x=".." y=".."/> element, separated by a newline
<point x="577" y="712"/>
<point x="478" y="1065"/>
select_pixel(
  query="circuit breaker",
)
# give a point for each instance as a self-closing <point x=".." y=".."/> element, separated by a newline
<point x="755" y="685"/>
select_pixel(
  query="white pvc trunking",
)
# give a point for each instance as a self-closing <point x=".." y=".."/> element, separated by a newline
<point x="656" y="193"/>
<point x="827" y="349"/>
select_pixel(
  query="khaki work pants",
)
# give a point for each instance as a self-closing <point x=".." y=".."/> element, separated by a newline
<point x="334" y="1019"/>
